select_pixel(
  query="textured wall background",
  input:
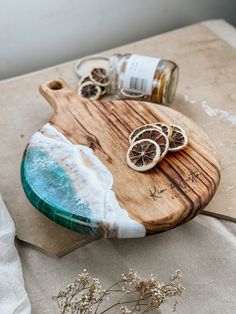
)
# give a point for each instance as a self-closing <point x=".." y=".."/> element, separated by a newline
<point x="37" y="34"/>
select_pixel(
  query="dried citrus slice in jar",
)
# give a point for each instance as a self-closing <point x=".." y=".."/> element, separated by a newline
<point x="178" y="140"/>
<point x="90" y="90"/>
<point x="157" y="136"/>
<point x="166" y="128"/>
<point x="143" y="155"/>
<point x="131" y="94"/>
<point x="141" y="128"/>
<point x="99" y="76"/>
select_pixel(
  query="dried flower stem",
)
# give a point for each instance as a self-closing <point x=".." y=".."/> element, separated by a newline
<point x="85" y="294"/>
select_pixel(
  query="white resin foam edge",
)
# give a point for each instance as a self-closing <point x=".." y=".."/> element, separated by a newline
<point x="91" y="179"/>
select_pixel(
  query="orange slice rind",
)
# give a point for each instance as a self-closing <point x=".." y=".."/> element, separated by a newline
<point x="130" y="94"/>
<point x="166" y="128"/>
<point x="90" y="90"/>
<point x="99" y="76"/>
<point x="141" y="128"/>
<point x="178" y="139"/>
<point x="158" y="136"/>
<point x="83" y="80"/>
<point x="143" y="155"/>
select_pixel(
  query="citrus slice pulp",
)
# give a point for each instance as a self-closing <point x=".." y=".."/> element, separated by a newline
<point x="89" y="90"/>
<point x="178" y="139"/>
<point x="166" y="128"/>
<point x="157" y="136"/>
<point x="99" y="76"/>
<point x="141" y="128"/>
<point x="143" y="155"/>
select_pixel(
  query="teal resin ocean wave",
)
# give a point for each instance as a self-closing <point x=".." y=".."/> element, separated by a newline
<point x="51" y="190"/>
<point x="71" y="186"/>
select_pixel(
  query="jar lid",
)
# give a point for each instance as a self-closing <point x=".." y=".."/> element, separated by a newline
<point x="84" y="65"/>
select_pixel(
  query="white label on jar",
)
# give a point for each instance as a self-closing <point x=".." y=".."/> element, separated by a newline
<point x="139" y="74"/>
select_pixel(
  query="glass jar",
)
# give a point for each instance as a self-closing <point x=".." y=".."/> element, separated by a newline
<point x="145" y="78"/>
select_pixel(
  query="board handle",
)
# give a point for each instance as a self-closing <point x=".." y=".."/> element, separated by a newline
<point x="57" y="93"/>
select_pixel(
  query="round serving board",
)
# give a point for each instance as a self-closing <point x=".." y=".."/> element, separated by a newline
<point x="172" y="193"/>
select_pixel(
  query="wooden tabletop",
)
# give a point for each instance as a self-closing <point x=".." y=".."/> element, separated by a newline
<point x="206" y="93"/>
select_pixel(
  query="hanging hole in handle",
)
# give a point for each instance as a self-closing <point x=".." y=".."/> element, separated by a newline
<point x="55" y="85"/>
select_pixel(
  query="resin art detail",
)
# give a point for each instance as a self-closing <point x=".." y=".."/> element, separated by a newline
<point x="70" y="185"/>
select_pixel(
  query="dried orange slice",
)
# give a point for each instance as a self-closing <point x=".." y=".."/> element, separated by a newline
<point x="178" y="140"/>
<point x="130" y="94"/>
<point x="143" y="155"/>
<point x="87" y="79"/>
<point x="104" y="90"/>
<point x="141" y="128"/>
<point x="157" y="136"/>
<point x="90" y="90"/>
<point x="166" y="128"/>
<point x="84" y="79"/>
<point x="99" y="76"/>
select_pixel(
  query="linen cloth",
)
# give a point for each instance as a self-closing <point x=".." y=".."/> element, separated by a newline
<point x="13" y="297"/>
<point x="204" y="250"/>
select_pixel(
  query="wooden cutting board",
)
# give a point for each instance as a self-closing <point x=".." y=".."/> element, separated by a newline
<point x="175" y="191"/>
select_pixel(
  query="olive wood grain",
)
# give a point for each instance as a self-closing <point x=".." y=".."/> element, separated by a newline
<point x="176" y="190"/>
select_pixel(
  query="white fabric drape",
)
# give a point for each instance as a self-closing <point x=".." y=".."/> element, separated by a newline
<point x="13" y="297"/>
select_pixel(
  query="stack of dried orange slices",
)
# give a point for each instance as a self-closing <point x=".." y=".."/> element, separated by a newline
<point x="150" y="143"/>
<point x="95" y="84"/>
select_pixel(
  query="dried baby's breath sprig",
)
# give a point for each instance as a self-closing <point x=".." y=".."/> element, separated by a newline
<point x="133" y="294"/>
